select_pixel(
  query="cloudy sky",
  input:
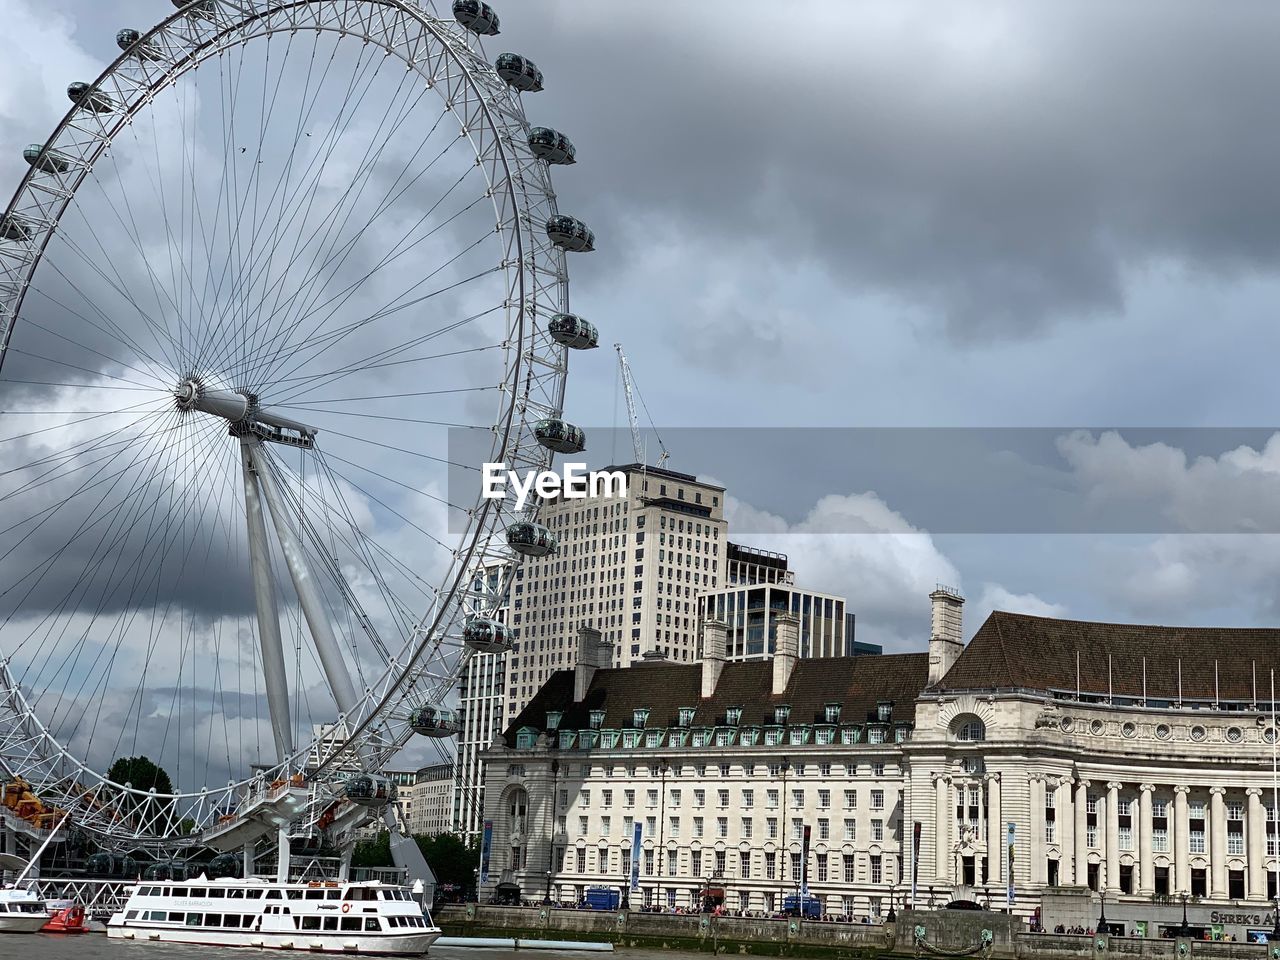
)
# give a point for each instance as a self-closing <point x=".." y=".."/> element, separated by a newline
<point x="896" y="214"/>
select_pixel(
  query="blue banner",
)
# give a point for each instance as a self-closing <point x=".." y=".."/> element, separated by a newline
<point x="486" y="848"/>
<point x="637" y="837"/>
<point x="1009" y="865"/>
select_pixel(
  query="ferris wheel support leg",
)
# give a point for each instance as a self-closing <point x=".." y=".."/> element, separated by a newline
<point x="275" y="676"/>
<point x="304" y="584"/>
<point x="249" y="865"/>
<point x="282" y="859"/>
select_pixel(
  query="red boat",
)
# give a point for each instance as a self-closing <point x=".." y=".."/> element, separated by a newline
<point x="66" y="918"/>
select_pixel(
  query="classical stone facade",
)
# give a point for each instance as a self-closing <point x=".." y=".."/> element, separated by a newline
<point x="1133" y="761"/>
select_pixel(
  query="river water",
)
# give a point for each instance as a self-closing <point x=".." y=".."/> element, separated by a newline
<point x="94" y="946"/>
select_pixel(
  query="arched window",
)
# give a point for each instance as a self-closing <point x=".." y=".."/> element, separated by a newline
<point x="970" y="729"/>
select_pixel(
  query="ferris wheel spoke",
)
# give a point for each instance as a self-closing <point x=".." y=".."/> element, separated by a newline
<point x="338" y="257"/>
<point x="351" y="104"/>
<point x="336" y="337"/>
<point x="278" y="315"/>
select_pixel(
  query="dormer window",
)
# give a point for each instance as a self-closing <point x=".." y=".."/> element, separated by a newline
<point x="832" y="713"/>
<point x="884" y="711"/>
<point x="686" y="713"/>
<point x="640" y="717"/>
<point x="596" y="719"/>
<point x="781" y="713"/>
<point x="733" y="716"/>
<point x="553" y="719"/>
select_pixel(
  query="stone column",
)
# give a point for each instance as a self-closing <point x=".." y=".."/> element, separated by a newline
<point x="1257" y="840"/>
<point x="1035" y="843"/>
<point x="1066" y="833"/>
<point x="1217" y="843"/>
<point x="1081" y="833"/>
<point x="995" y="831"/>
<point x="1181" y="839"/>
<point x="1146" y="858"/>
<point x="943" y="814"/>
<point x="1113" y="837"/>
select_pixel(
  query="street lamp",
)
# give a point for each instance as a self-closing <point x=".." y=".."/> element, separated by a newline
<point x="1186" y="930"/>
<point x="1102" y="912"/>
<point x="551" y="828"/>
<point x="891" y="916"/>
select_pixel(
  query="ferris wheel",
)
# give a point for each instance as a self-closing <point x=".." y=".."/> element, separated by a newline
<point x="280" y="282"/>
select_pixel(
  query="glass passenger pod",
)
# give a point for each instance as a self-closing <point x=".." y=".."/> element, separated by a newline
<point x="477" y="17"/>
<point x="433" y="721"/>
<point x="130" y="41"/>
<point x="83" y="95"/>
<point x="551" y="146"/>
<point x="519" y="72"/>
<point x="531" y="539"/>
<point x="225" y="865"/>
<point x="573" y="332"/>
<point x="110" y="865"/>
<point x="48" y="161"/>
<point x="14" y="228"/>
<point x="370" y="790"/>
<point x="560" y="436"/>
<point x="570" y="233"/>
<point x="487" y="636"/>
<point x="166" y="870"/>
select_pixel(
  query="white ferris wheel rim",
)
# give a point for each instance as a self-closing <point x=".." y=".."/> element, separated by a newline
<point x="522" y="199"/>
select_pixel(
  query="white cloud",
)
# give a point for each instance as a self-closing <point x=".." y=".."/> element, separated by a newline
<point x="996" y="597"/>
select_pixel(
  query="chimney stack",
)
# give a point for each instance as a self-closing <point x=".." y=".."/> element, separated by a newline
<point x="714" y="635"/>
<point x="786" y="650"/>
<point x="946" y="640"/>
<point x="593" y="654"/>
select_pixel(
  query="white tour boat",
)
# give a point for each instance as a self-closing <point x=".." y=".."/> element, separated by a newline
<point x="21" y="911"/>
<point x="338" y="917"/>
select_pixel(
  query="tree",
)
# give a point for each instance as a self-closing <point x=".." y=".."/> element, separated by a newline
<point x="450" y="859"/>
<point x="373" y="852"/>
<point x="143" y="774"/>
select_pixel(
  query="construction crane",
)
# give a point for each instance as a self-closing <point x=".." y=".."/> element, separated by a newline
<point x="630" y="392"/>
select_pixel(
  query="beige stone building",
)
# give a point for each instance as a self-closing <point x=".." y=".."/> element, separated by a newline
<point x="1134" y="761"/>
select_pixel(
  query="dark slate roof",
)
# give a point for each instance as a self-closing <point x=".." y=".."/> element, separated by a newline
<point x="856" y="683"/>
<point x="1039" y="653"/>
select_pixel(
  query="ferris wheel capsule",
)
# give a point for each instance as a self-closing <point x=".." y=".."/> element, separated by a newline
<point x="570" y="233"/>
<point x="487" y="636"/>
<point x="560" y="436"/>
<point x="47" y="161"/>
<point x="573" y="332"/>
<point x="14" y="228"/>
<point x="477" y="17"/>
<point x="531" y="539"/>
<point x="519" y="72"/>
<point x="83" y="95"/>
<point x="130" y="41"/>
<point x="369" y="790"/>
<point x="551" y="146"/>
<point x="435" y="722"/>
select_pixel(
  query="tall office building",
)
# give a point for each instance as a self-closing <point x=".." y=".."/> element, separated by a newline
<point x="631" y="566"/>
<point x="750" y="613"/>
<point x="482" y="713"/>
<point x="747" y="566"/>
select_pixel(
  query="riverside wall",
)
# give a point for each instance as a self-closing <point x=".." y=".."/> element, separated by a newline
<point x="946" y="933"/>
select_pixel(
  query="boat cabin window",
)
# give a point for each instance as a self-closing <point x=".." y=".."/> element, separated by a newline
<point x="331" y="923"/>
<point x="351" y="923"/>
<point x="193" y="919"/>
<point x="178" y="892"/>
<point x="273" y="894"/>
<point x="371" y="923"/>
<point x="315" y="895"/>
<point x="310" y="923"/>
<point x="236" y="893"/>
<point x="333" y="894"/>
<point x="256" y="894"/>
<point x="293" y="894"/>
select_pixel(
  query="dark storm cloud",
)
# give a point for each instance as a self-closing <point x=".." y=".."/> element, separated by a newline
<point x="1001" y="165"/>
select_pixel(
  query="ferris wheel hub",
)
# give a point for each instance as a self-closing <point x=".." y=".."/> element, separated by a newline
<point x="240" y="408"/>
